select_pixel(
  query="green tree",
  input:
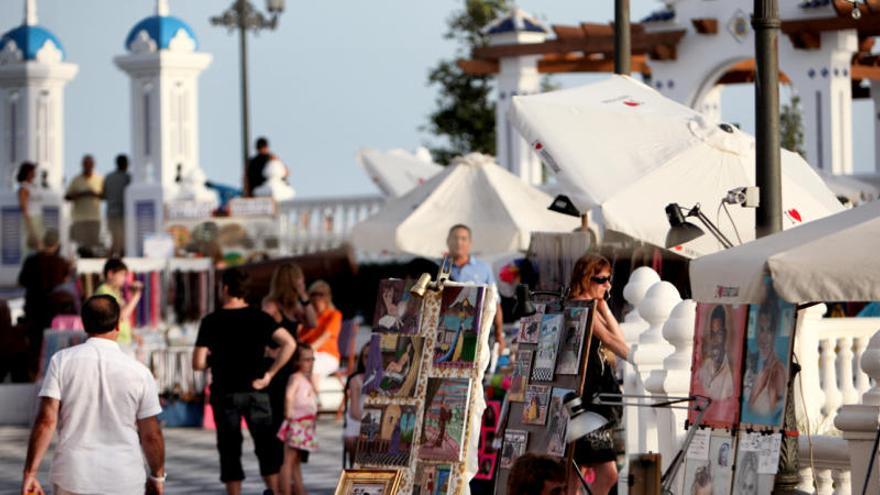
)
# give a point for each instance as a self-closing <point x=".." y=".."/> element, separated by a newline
<point x="791" y="127"/>
<point x="464" y="119"/>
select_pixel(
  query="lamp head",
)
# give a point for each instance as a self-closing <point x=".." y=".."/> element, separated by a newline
<point x="421" y="286"/>
<point x="580" y="421"/>
<point x="523" y="306"/>
<point x="562" y="204"/>
<point x="680" y="230"/>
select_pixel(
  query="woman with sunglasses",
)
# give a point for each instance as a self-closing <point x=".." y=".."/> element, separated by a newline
<point x="591" y="281"/>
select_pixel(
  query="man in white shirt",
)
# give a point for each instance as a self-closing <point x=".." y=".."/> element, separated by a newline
<point x="105" y="405"/>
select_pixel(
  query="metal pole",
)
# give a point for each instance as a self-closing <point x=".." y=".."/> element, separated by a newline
<point x="768" y="216"/>
<point x="622" y="39"/>
<point x="245" y="116"/>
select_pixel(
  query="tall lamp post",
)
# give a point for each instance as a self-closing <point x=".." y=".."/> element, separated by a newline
<point x="244" y="17"/>
<point x="622" y="38"/>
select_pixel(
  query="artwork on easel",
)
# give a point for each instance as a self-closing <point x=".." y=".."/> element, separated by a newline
<point x="557" y="422"/>
<point x="386" y="437"/>
<point x="548" y="346"/>
<point x="768" y="357"/>
<point x="397" y="310"/>
<point x="530" y="327"/>
<point x="443" y="426"/>
<point x="515" y="444"/>
<point x="393" y="365"/>
<point x="459" y="327"/>
<point x="717" y="362"/>
<point x="431" y="479"/>
<point x="535" y="407"/>
<point x="574" y="330"/>
<point x="519" y="377"/>
<point x="721" y="457"/>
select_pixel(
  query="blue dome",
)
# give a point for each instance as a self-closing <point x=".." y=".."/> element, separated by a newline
<point x="30" y="39"/>
<point x="161" y="30"/>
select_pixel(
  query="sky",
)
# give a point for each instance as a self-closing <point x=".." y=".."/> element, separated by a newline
<point x="336" y="76"/>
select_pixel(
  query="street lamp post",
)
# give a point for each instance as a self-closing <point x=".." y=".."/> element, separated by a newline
<point x="622" y="38"/>
<point x="244" y="17"/>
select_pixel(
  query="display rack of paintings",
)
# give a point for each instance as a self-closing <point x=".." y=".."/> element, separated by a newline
<point x="487" y="454"/>
<point x="423" y="388"/>
<point x="550" y="362"/>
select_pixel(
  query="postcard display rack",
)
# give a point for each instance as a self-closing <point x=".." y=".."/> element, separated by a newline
<point x="424" y="420"/>
<point x="553" y="347"/>
<point x="741" y="360"/>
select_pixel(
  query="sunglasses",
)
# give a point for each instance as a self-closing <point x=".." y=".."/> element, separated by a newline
<point x="601" y="280"/>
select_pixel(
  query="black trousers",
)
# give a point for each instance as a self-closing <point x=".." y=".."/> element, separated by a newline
<point x="256" y="410"/>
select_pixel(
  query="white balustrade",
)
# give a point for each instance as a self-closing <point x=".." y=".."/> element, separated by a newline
<point x="830" y="458"/>
<point x="317" y="224"/>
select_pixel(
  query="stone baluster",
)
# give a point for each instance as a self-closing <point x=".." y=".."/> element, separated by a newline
<point x="859" y="422"/>
<point x="824" y="482"/>
<point x="863" y="382"/>
<point x="806" y="477"/>
<point x="845" y="380"/>
<point x="842" y="482"/>
<point x="808" y="380"/>
<point x="648" y="354"/>
<point x="640" y="280"/>
<point x="833" y="397"/>
<point x="674" y="379"/>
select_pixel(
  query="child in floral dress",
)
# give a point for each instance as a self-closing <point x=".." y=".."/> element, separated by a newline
<point x="298" y="430"/>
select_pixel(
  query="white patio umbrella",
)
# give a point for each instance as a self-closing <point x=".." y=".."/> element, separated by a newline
<point x="849" y="187"/>
<point x="621" y="147"/>
<point x="501" y="210"/>
<point x="830" y="259"/>
<point x="397" y="171"/>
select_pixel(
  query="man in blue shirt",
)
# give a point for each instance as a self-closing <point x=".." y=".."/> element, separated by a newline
<point x="466" y="268"/>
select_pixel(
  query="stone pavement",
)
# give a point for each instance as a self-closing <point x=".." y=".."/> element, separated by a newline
<point x="191" y="461"/>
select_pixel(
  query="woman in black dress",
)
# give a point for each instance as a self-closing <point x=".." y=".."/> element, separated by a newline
<point x="591" y="281"/>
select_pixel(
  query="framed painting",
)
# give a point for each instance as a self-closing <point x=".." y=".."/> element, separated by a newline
<point x="386" y="437"/>
<point x="459" y="327"/>
<point x="443" y="426"/>
<point x="368" y="482"/>
<point x="393" y="365"/>
<point x="397" y="310"/>
<point x="548" y="346"/>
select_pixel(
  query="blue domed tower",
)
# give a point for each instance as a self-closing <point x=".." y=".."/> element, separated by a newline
<point x="163" y="62"/>
<point x="33" y="73"/>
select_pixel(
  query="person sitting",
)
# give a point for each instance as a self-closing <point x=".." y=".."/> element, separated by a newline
<point x="323" y="336"/>
<point x="534" y="474"/>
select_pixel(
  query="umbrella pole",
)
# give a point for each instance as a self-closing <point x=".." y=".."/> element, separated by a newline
<point x="622" y="39"/>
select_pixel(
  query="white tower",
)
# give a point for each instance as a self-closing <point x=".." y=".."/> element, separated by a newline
<point x="33" y="74"/>
<point x="164" y="65"/>
<point x="517" y="75"/>
<point x="32" y="79"/>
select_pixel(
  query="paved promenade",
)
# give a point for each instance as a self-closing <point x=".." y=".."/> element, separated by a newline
<point x="192" y="462"/>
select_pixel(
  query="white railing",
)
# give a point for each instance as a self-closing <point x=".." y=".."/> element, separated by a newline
<point x="318" y="224"/>
<point x="828" y="467"/>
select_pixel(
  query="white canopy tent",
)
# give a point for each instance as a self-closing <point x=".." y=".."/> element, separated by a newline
<point x="830" y="259"/>
<point x="501" y="209"/>
<point x="622" y="148"/>
<point x="397" y="171"/>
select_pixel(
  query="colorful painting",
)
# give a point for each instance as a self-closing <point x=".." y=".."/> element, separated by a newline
<point x="717" y="361"/>
<point x="548" y="345"/>
<point x="486" y="466"/>
<point x="557" y="422"/>
<point x="515" y="444"/>
<point x="768" y="346"/>
<point x="397" y="310"/>
<point x="535" y="407"/>
<point x="519" y="376"/>
<point x="443" y="427"/>
<point x="530" y="327"/>
<point x="574" y="336"/>
<point x="386" y="437"/>
<point x="393" y="365"/>
<point x="432" y="479"/>
<point x="459" y="327"/>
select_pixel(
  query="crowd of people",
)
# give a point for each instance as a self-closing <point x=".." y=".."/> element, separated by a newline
<point x="266" y="362"/>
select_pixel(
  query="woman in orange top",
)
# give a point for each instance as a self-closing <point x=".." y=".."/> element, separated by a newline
<point x="324" y="337"/>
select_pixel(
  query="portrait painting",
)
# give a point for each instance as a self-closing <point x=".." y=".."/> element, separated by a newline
<point x="573" y="337"/>
<point x="397" y="310"/>
<point x="768" y="356"/>
<point x="519" y="376"/>
<point x="459" y="326"/>
<point x="557" y="422"/>
<point x="535" y="408"/>
<point x="393" y="363"/>
<point x="697" y="477"/>
<point x="515" y="444"/>
<point x="548" y="346"/>
<point x="486" y="466"/>
<point x="721" y="457"/>
<point x="443" y="426"/>
<point x="748" y="478"/>
<point x="717" y="361"/>
<point x="388" y="440"/>
<point x="530" y="326"/>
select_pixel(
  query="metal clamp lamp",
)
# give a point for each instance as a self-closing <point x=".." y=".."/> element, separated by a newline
<point x="424" y="283"/>
<point x="682" y="231"/>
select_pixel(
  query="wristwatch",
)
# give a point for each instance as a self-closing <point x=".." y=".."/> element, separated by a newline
<point x="159" y="479"/>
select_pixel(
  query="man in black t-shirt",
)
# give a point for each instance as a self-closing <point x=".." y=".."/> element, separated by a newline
<point x="254" y="174"/>
<point x="232" y="342"/>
